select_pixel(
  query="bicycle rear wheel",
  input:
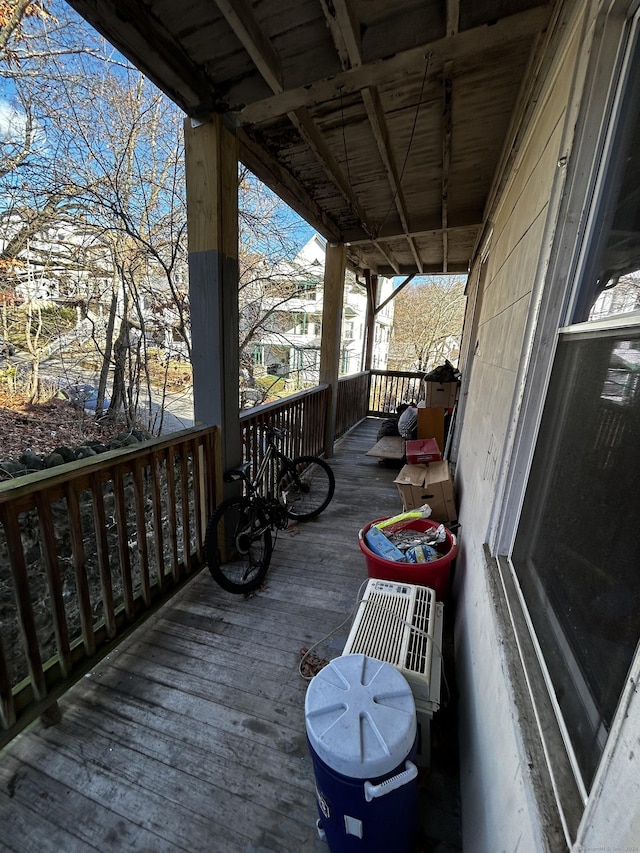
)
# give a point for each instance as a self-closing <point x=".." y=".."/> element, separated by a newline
<point x="238" y="545"/>
<point x="305" y="487"/>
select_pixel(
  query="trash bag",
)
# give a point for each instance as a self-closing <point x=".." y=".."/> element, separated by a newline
<point x="408" y="423"/>
<point x="388" y="427"/>
<point x="444" y="373"/>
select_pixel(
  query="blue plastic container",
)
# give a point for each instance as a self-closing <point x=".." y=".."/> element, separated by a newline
<point x="362" y="734"/>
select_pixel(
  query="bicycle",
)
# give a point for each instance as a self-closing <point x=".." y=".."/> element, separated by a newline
<point x="238" y="540"/>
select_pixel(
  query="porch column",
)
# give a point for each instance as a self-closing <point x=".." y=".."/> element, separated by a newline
<point x="211" y="160"/>
<point x="371" y="283"/>
<point x="334" y="268"/>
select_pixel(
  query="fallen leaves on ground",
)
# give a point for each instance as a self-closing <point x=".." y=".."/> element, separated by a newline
<point x="311" y="664"/>
<point x="41" y="427"/>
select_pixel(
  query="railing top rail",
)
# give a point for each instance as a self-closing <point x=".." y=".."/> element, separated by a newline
<point x="353" y="375"/>
<point x="267" y="408"/>
<point x="25" y="485"/>
<point x="416" y="374"/>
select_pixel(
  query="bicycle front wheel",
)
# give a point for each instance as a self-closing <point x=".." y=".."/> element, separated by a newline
<point x="305" y="487"/>
<point x="238" y="545"/>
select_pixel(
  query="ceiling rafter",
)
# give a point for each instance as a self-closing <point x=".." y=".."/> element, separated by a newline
<point x="240" y="17"/>
<point x="398" y="67"/>
<point x="254" y="157"/>
<point x="344" y="30"/>
<point x="245" y="25"/>
<point x="453" y="17"/>
<point x="388" y="255"/>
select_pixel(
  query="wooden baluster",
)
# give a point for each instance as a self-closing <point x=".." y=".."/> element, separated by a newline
<point x="141" y="526"/>
<point x="123" y="542"/>
<point x="7" y="705"/>
<point x="156" y="499"/>
<point x="102" y="553"/>
<point x="80" y="570"/>
<point x="184" y="492"/>
<point x="173" y="533"/>
<point x="26" y="618"/>
<point x="50" y="554"/>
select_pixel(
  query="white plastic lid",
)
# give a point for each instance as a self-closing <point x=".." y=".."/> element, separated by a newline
<point x="360" y="716"/>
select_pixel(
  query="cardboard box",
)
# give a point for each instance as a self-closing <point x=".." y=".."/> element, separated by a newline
<point x="431" y="425"/>
<point x="422" y="450"/>
<point x="428" y="484"/>
<point x="440" y="394"/>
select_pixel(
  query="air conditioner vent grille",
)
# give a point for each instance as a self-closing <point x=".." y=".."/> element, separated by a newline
<point x="398" y="623"/>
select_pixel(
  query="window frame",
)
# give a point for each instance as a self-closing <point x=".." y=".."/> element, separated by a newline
<point x="555" y="297"/>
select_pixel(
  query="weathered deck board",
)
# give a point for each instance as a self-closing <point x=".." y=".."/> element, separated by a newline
<point x="191" y="735"/>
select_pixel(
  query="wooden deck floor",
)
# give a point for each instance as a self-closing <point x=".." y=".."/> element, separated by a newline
<point x="191" y="735"/>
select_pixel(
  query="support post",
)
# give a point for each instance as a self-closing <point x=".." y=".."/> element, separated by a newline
<point x="371" y="283"/>
<point x="334" y="268"/>
<point x="211" y="161"/>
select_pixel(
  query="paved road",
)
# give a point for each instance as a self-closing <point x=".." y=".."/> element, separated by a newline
<point x="175" y="415"/>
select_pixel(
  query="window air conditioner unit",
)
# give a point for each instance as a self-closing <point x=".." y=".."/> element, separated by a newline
<point x="401" y="624"/>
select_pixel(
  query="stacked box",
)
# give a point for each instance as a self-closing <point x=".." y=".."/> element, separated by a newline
<point x="428" y="484"/>
<point x="440" y="394"/>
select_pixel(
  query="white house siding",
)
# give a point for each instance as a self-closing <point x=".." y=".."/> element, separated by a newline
<point x="499" y="809"/>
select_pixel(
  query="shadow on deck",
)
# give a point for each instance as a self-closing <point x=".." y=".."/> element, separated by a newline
<point x="190" y="736"/>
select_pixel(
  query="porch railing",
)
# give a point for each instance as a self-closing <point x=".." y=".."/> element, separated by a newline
<point x="389" y="388"/>
<point x="302" y="416"/>
<point x="353" y="401"/>
<point x="87" y="551"/>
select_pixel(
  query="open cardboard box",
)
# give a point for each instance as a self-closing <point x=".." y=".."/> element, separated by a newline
<point x="428" y="484"/>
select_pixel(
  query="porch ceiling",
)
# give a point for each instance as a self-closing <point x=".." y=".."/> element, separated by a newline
<point x="382" y="123"/>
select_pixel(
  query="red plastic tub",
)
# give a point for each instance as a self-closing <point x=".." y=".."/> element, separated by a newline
<point x="434" y="574"/>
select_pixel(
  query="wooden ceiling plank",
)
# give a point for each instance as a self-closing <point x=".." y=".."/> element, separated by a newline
<point x="380" y="132"/>
<point x="240" y="17"/>
<point x="307" y="129"/>
<point x="293" y="193"/>
<point x="394" y="69"/>
<point x="393" y="263"/>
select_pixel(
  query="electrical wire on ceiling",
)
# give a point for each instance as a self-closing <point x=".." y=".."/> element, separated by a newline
<point x="406" y="156"/>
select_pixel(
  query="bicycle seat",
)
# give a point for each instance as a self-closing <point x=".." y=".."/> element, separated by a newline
<point x="240" y="472"/>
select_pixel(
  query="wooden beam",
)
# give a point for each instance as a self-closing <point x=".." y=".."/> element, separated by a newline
<point x="334" y="269"/>
<point x="453" y="17"/>
<point x="371" y="284"/>
<point x="307" y="129"/>
<point x="388" y="256"/>
<point x="464" y="45"/>
<point x="345" y="32"/>
<point x="240" y="17"/>
<point x="293" y="193"/>
<point x="447" y="89"/>
<point x="428" y="228"/>
<point x="395" y="292"/>
<point x="211" y="171"/>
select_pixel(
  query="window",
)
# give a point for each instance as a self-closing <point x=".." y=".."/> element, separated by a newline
<point x="577" y="551"/>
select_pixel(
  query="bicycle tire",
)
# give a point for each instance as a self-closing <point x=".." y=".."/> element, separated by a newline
<point x="237" y="559"/>
<point x="305" y="487"/>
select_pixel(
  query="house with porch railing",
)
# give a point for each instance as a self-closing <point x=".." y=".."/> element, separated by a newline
<point x="497" y="139"/>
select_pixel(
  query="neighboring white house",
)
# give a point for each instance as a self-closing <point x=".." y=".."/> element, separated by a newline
<point x="291" y="347"/>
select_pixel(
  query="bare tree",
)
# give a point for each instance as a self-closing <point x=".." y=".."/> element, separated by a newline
<point x="427" y="324"/>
